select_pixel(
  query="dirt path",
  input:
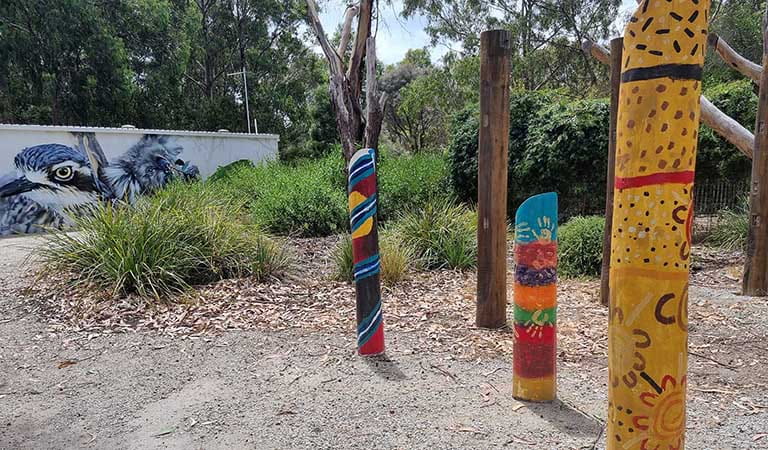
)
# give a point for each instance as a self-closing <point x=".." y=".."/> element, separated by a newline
<point x="306" y="390"/>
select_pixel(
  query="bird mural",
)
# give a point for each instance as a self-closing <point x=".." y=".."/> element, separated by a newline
<point x="53" y="182"/>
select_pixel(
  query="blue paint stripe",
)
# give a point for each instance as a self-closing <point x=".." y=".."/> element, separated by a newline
<point x="369" y="325"/>
<point x="367" y="268"/>
<point x="357" y="224"/>
<point x="353" y="181"/>
<point x="366" y="162"/>
<point x="364" y="205"/>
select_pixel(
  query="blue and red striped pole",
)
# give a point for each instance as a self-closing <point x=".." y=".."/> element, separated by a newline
<point x="363" y="201"/>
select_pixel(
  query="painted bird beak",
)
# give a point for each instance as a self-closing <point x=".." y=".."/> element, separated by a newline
<point x="17" y="186"/>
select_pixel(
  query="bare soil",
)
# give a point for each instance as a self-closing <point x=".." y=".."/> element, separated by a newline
<point x="272" y="365"/>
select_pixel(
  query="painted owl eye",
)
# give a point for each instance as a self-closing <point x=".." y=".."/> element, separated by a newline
<point x="64" y="173"/>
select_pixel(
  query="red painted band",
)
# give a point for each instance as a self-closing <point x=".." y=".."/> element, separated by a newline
<point x="375" y="345"/>
<point x="536" y="254"/>
<point x="685" y="177"/>
<point x="363" y="248"/>
<point x="535" y="351"/>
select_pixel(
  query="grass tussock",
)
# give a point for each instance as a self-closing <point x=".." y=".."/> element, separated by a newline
<point x="580" y="247"/>
<point x="732" y="228"/>
<point x="185" y="235"/>
<point x="443" y="234"/>
<point x="397" y="258"/>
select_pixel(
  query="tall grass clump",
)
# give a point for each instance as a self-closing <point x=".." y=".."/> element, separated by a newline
<point x="732" y="228"/>
<point x="397" y="258"/>
<point x="580" y="247"/>
<point x="184" y="235"/>
<point x="443" y="234"/>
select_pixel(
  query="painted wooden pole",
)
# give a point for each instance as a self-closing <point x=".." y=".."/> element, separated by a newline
<point x="535" y="345"/>
<point x="492" y="180"/>
<point x="616" y="53"/>
<point x="363" y="201"/>
<point x="756" y="266"/>
<point x="659" y="112"/>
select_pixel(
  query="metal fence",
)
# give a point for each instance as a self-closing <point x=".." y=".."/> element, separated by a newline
<point x="711" y="198"/>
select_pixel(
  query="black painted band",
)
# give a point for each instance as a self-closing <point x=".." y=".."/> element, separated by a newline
<point x="674" y="71"/>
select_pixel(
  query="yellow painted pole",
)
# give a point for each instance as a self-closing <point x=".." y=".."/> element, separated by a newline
<point x="657" y="131"/>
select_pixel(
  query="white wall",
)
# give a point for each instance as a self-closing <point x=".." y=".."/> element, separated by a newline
<point x="206" y="150"/>
<point x="54" y="183"/>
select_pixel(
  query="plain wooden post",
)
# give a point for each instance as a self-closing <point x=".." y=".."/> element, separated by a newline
<point x="617" y="48"/>
<point x="756" y="265"/>
<point x="492" y="180"/>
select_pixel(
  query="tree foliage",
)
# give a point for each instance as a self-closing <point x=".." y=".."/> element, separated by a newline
<point x="157" y="64"/>
<point x="546" y="34"/>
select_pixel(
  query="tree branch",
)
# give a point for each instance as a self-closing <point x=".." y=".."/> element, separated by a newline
<point x="346" y="29"/>
<point x="733" y="59"/>
<point x="711" y="116"/>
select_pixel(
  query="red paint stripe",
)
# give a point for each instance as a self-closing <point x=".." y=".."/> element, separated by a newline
<point x="656" y="178"/>
<point x="375" y="345"/>
<point x="367" y="186"/>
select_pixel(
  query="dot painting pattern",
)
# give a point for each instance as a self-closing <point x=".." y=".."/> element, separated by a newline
<point x="657" y="136"/>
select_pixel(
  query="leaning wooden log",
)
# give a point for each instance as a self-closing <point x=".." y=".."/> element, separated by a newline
<point x="733" y="59"/>
<point x="711" y="116"/>
<point x="727" y="127"/>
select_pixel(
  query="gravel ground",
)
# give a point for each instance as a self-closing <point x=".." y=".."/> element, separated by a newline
<point x="305" y="388"/>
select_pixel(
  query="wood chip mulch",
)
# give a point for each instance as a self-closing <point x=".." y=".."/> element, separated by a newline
<point x="435" y="307"/>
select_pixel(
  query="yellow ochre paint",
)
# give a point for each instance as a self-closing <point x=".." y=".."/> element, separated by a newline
<point x="657" y="130"/>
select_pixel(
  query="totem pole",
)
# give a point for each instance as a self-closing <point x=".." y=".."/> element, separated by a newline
<point x="535" y="345"/>
<point x="657" y="130"/>
<point x="365" y="251"/>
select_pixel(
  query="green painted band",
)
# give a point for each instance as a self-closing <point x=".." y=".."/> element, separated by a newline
<point x="538" y="317"/>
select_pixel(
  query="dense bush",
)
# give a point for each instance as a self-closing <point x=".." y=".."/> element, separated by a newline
<point x="184" y="235"/>
<point x="732" y="228"/>
<point x="410" y="182"/>
<point x="442" y="234"/>
<point x="716" y="158"/>
<point x="554" y="146"/>
<point x="292" y="200"/>
<point x="580" y="247"/>
<point x="228" y="171"/>
<point x="308" y="198"/>
<point x="523" y="107"/>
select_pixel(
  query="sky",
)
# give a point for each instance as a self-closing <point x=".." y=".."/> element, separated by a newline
<point x="396" y="35"/>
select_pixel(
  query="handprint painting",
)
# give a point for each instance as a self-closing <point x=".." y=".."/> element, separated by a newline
<point x="535" y="343"/>
<point x="52" y="183"/>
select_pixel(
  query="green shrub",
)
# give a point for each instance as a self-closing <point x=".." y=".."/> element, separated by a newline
<point x="226" y="172"/>
<point x="554" y="145"/>
<point x="523" y="107"/>
<point x="305" y="199"/>
<point x="442" y="234"/>
<point x="410" y="182"/>
<point x="716" y="158"/>
<point x="186" y="234"/>
<point x="732" y="228"/>
<point x="397" y="258"/>
<point x="580" y="247"/>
